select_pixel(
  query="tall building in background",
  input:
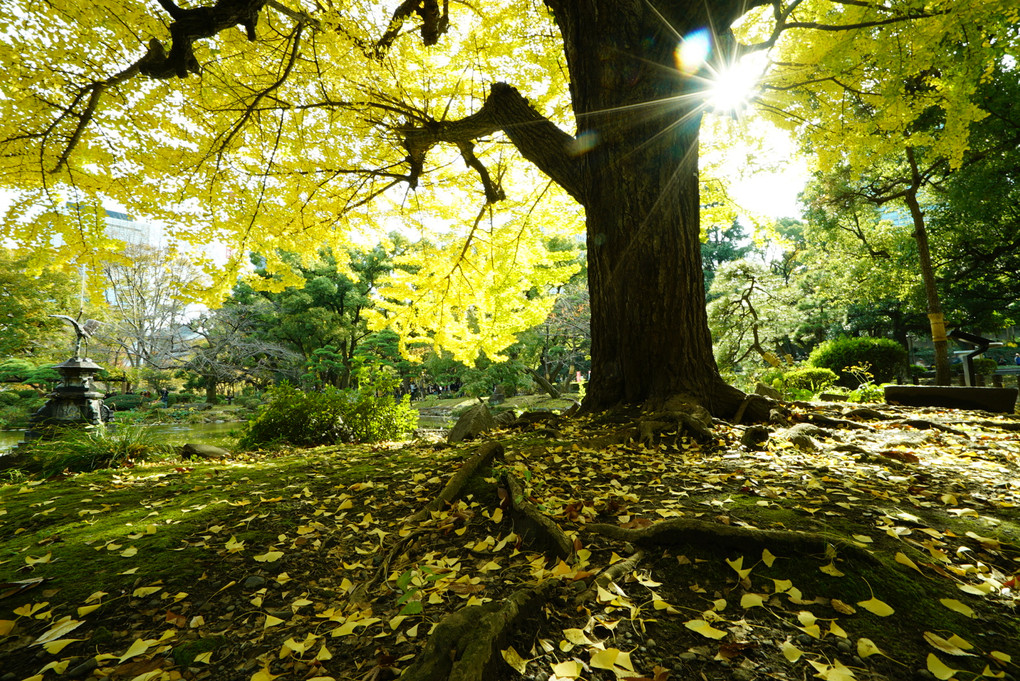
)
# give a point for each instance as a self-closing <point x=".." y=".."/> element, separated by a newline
<point x="124" y="227"/>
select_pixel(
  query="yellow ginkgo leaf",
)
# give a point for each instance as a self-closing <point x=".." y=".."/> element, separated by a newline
<point x="837" y="630"/>
<point x="957" y="606"/>
<point x="54" y="647"/>
<point x="269" y="556"/>
<point x="863" y="538"/>
<point x="323" y="654"/>
<point x="960" y="642"/>
<point x="6" y="626"/>
<point x="86" y="609"/>
<point x="704" y="628"/>
<point x="577" y="637"/>
<point x="514" y="659"/>
<point x="263" y="675"/>
<point x="866" y="648"/>
<point x="273" y="621"/>
<point x="139" y="647"/>
<point x="902" y="559"/>
<point x="143" y="591"/>
<point x="128" y="552"/>
<point x="32" y="560"/>
<point x="738" y="567"/>
<point x="806" y="617"/>
<point x="204" y="658"/>
<point x="1001" y="657"/>
<point x="751" y="601"/>
<point x="570" y="669"/>
<point x="791" y="652"/>
<point x="939" y="669"/>
<point x="877" y="607"/>
<point x="605" y="659"/>
<point x="832" y="570"/>
<point x="767" y="557"/>
<point x="660" y="604"/>
<point x="945" y="646"/>
<point x="987" y="672"/>
<point x="59" y="629"/>
<point x="841" y="607"/>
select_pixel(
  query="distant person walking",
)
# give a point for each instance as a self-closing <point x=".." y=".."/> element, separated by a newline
<point x="1016" y="359"/>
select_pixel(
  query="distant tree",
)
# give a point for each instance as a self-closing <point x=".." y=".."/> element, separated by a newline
<point x="227" y="349"/>
<point x="752" y="313"/>
<point x="28" y="300"/>
<point x="147" y="307"/>
<point x="328" y="311"/>
<point x="722" y="245"/>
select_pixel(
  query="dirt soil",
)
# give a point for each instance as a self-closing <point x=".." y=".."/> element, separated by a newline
<point x="853" y="543"/>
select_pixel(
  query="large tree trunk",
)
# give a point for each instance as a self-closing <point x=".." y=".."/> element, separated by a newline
<point x="638" y="119"/>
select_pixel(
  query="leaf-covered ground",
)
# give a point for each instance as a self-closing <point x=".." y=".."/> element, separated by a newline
<point x="308" y="565"/>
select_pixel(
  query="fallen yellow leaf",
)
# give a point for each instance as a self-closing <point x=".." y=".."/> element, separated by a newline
<point x="791" y="652"/>
<point x="514" y="659"/>
<point x="269" y="556"/>
<point x="137" y="648"/>
<point x="704" y="628"/>
<point x="866" y="648"/>
<point x="877" y="607"/>
<point x="939" y="669"/>
<point x="957" y="606"/>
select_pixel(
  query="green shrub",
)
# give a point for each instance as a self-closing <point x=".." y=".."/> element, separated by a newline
<point x="812" y="379"/>
<point x="885" y="358"/>
<point x="7" y="398"/>
<point x="27" y="393"/>
<point x="123" y="402"/>
<point x="985" y="366"/>
<point x="248" y="402"/>
<point x="307" y="419"/>
<point x="79" y="450"/>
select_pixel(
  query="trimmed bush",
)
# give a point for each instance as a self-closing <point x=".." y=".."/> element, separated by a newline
<point x="985" y="366"/>
<point x="7" y="398"/>
<point x="813" y="379"/>
<point x="885" y="358"/>
<point x="123" y="402"/>
<point x="308" y="419"/>
<point x="27" y="393"/>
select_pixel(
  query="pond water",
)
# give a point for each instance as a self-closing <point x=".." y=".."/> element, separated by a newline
<point x="217" y="434"/>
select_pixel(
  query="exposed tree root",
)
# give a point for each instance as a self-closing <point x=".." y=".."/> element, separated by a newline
<point x="483" y="457"/>
<point x="690" y="531"/>
<point x="465" y="645"/>
<point x="536" y="529"/>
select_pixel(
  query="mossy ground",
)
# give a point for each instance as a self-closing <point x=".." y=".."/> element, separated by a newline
<point x="301" y="564"/>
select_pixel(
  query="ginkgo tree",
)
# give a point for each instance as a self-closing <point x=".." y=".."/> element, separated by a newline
<point x="291" y="124"/>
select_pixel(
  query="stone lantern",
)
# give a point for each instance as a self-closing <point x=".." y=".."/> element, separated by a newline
<point x="74" y="402"/>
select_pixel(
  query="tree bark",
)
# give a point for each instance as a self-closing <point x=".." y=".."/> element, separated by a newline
<point x="638" y="119"/>
<point x="938" y="324"/>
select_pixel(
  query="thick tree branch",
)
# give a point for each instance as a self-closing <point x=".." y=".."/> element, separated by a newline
<point x="194" y="24"/>
<point x="506" y="110"/>
<point x="434" y="22"/>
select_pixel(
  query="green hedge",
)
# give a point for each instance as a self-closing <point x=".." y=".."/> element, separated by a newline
<point x="815" y="379"/>
<point x="123" y="402"/>
<point x="884" y="358"/>
<point x="308" y="419"/>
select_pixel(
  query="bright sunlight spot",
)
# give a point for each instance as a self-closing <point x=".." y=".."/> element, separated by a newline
<point x="733" y="87"/>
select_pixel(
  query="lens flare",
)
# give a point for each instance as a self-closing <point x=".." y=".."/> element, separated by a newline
<point x="692" y="52"/>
